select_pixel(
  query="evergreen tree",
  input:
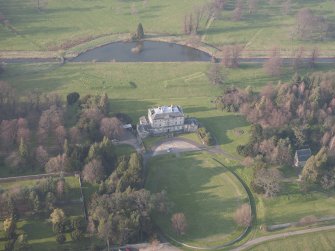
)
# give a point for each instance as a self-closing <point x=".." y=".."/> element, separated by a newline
<point x="21" y="244"/>
<point x="66" y="147"/>
<point x="23" y="150"/>
<point x="140" y="32"/>
<point x="9" y="226"/>
<point x="104" y="104"/>
<point x="315" y="166"/>
<point x="60" y="238"/>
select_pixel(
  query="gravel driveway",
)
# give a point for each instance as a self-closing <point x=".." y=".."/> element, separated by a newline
<point x="174" y="145"/>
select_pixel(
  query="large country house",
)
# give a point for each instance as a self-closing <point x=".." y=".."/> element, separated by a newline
<point x="165" y="120"/>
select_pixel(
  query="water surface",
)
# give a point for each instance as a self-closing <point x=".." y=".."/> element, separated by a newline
<point x="151" y="52"/>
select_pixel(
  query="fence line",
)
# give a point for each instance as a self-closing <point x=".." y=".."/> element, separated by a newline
<point x="34" y="177"/>
<point x="82" y="198"/>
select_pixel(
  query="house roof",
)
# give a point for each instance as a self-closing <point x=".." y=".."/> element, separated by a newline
<point x="162" y="111"/>
<point x="303" y="154"/>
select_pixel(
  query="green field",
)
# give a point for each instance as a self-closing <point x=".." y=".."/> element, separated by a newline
<point x="72" y="186"/>
<point x="290" y="205"/>
<point x="63" y="24"/>
<point x="39" y="229"/>
<point x="324" y="241"/>
<point x="206" y="192"/>
<point x="184" y="84"/>
<point x="60" y="21"/>
<point x="41" y="237"/>
<point x="268" y="27"/>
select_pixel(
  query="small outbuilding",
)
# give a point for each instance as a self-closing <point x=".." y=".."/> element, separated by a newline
<point x="301" y="156"/>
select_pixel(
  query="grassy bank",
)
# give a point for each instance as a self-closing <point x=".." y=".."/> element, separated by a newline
<point x="309" y="242"/>
<point x="58" y="25"/>
<point x="204" y="191"/>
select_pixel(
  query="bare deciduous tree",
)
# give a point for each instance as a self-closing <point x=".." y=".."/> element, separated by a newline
<point x="273" y="66"/>
<point x="93" y="171"/>
<point x="192" y="21"/>
<point x="13" y="160"/>
<point x="286" y="7"/>
<point x="298" y="57"/>
<point x="243" y="215"/>
<point x="238" y="11"/>
<point x="74" y="135"/>
<point x="179" y="223"/>
<point x="231" y="56"/>
<point x="60" y="134"/>
<point x="41" y="4"/>
<point x="51" y="119"/>
<point x="215" y="74"/>
<point x="252" y="4"/>
<point x="314" y="57"/>
<point x="41" y="156"/>
<point x="53" y="99"/>
<point x="111" y="127"/>
<point x="56" y="164"/>
<point x="310" y="26"/>
<point x="213" y="9"/>
<point x="8" y="132"/>
<point x="41" y="135"/>
<point x="308" y="220"/>
<point x="268" y="180"/>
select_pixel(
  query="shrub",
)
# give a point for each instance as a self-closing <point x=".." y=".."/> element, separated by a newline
<point x="60" y="238"/>
<point x="124" y="118"/>
<point x="243" y="215"/>
<point x="205" y="136"/>
<point x="77" y="223"/>
<point x="76" y="235"/>
<point x="308" y="220"/>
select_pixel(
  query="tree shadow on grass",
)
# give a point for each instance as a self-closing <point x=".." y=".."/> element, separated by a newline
<point x="38" y="229"/>
<point x="193" y="109"/>
<point x="203" y="193"/>
<point x="133" y="108"/>
<point x="67" y="246"/>
<point x="220" y="125"/>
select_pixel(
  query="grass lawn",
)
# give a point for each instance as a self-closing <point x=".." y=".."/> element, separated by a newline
<point x="72" y="186"/>
<point x="60" y="21"/>
<point x="290" y="205"/>
<point x="267" y="27"/>
<point x="191" y="136"/>
<point x="324" y="241"/>
<point x="39" y="230"/>
<point x="124" y="150"/>
<point x="203" y="190"/>
<point x="41" y="237"/>
<point x="184" y="84"/>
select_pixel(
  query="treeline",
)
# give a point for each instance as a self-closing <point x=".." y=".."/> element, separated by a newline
<point x="286" y="117"/>
<point x="41" y="132"/>
<point x="41" y="197"/>
<point x="121" y="210"/>
<point x="35" y="201"/>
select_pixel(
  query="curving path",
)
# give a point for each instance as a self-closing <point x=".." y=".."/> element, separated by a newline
<point x="260" y="240"/>
<point x="177" y="145"/>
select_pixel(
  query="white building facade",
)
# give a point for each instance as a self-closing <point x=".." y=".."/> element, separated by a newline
<point x="165" y="120"/>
